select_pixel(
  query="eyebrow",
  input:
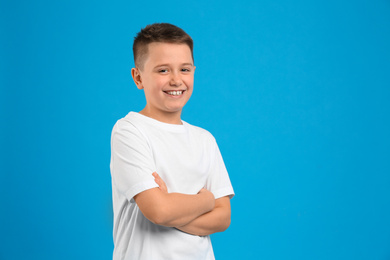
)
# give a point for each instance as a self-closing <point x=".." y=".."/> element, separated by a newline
<point x="183" y="64"/>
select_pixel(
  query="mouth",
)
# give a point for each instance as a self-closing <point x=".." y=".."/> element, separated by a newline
<point x="175" y="92"/>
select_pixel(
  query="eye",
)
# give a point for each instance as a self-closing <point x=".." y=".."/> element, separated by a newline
<point x="185" y="70"/>
<point x="162" y="70"/>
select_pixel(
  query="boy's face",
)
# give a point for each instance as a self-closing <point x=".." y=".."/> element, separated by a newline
<point x="167" y="78"/>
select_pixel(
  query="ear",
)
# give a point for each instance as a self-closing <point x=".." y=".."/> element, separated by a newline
<point x="135" y="73"/>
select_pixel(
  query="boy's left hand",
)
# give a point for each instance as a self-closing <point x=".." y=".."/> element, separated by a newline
<point x="160" y="182"/>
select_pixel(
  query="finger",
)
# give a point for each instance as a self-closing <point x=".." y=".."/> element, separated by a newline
<point x="163" y="185"/>
<point x="160" y="183"/>
<point x="202" y="190"/>
<point x="158" y="179"/>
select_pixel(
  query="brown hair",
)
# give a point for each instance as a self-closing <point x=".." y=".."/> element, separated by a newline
<point x="158" y="32"/>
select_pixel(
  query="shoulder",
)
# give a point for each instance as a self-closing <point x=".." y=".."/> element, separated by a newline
<point x="200" y="133"/>
<point x="123" y="123"/>
<point x="127" y="126"/>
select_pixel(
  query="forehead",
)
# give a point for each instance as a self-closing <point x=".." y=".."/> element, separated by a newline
<point x="168" y="53"/>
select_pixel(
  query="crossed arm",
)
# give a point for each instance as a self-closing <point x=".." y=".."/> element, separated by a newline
<point x="199" y="214"/>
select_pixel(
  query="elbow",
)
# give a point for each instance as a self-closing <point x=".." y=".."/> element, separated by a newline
<point x="154" y="209"/>
<point x="161" y="208"/>
<point x="225" y="220"/>
<point x="225" y="224"/>
<point x="158" y="216"/>
<point x="154" y="217"/>
<point x="158" y="220"/>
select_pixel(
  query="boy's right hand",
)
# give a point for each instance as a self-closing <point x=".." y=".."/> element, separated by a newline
<point x="160" y="182"/>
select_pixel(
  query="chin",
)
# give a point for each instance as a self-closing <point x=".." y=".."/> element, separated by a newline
<point x="174" y="110"/>
<point x="177" y="108"/>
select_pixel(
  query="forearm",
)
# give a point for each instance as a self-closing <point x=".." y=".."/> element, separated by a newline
<point x="173" y="209"/>
<point x="180" y="209"/>
<point x="217" y="220"/>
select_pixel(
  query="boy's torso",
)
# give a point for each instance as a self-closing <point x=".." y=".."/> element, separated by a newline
<point x="181" y="155"/>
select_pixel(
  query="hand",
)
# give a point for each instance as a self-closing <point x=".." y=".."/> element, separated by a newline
<point x="160" y="182"/>
<point x="203" y="190"/>
<point x="209" y="195"/>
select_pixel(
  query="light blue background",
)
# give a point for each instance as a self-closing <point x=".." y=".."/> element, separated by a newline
<point x="296" y="93"/>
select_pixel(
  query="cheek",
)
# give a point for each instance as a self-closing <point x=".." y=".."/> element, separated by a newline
<point x="158" y="83"/>
<point x="190" y="82"/>
<point x="153" y="85"/>
<point x="190" y="89"/>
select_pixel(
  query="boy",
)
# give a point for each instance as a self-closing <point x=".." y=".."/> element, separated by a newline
<point x="170" y="186"/>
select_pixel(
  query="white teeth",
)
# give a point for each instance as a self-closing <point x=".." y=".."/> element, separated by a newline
<point x="175" y="93"/>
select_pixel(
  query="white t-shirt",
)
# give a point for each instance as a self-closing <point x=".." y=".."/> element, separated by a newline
<point x="187" y="158"/>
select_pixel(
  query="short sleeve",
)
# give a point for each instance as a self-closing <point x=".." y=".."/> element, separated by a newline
<point x="218" y="181"/>
<point x="132" y="161"/>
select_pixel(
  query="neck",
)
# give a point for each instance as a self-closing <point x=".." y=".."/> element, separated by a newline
<point x="169" y="118"/>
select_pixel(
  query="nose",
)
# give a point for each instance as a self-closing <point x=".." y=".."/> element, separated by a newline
<point x="175" y="80"/>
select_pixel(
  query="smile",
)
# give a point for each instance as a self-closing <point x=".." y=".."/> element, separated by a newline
<point x="175" y="92"/>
